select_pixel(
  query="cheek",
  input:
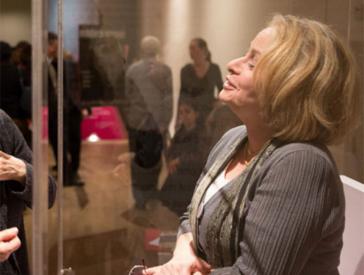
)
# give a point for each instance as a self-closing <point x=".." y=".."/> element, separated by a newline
<point x="246" y="82"/>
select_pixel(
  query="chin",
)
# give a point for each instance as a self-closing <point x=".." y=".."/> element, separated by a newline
<point x="223" y="96"/>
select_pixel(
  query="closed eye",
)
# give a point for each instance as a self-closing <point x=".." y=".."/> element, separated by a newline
<point x="251" y="66"/>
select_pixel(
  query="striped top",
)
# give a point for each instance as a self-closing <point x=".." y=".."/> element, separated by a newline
<point x="294" y="220"/>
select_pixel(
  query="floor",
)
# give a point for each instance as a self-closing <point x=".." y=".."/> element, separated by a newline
<point x="103" y="233"/>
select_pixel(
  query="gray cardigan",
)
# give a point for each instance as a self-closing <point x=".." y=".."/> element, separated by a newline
<point x="294" y="218"/>
<point x="14" y="196"/>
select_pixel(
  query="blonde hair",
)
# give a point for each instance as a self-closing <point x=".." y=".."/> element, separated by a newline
<point x="305" y="82"/>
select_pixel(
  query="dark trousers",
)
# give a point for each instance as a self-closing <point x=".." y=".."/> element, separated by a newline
<point x="146" y="165"/>
<point x="71" y="141"/>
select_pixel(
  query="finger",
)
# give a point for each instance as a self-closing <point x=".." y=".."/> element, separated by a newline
<point x="157" y="270"/>
<point x="11" y="245"/>
<point x="8" y="234"/>
<point x="6" y="248"/>
<point x="202" y="266"/>
<point x="4" y="155"/>
<point x="150" y="271"/>
<point x="117" y="169"/>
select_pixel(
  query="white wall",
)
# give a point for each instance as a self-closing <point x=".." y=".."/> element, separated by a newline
<point x="227" y="26"/>
<point x="15" y="21"/>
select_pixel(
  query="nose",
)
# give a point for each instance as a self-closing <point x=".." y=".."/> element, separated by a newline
<point x="235" y="65"/>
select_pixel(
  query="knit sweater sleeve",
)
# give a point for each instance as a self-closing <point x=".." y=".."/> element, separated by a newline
<point x="14" y="144"/>
<point x="296" y="201"/>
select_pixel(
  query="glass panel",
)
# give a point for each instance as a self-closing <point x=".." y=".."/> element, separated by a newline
<point x="24" y="99"/>
<point x="350" y="154"/>
<point x="138" y="176"/>
<point x="44" y="188"/>
<point x="136" y="133"/>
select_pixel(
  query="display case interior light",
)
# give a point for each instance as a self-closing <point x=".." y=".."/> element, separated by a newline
<point x="93" y="138"/>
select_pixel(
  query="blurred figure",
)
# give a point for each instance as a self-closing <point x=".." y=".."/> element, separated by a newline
<point x="16" y="184"/>
<point x="11" y="89"/>
<point x="71" y="114"/>
<point x="220" y="120"/>
<point x="148" y="111"/>
<point x="22" y="59"/>
<point x="185" y="158"/>
<point x="200" y="78"/>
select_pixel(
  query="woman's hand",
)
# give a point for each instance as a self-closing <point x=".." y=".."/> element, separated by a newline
<point x="186" y="266"/>
<point x="184" y="261"/>
<point x="12" y="168"/>
<point x="9" y="242"/>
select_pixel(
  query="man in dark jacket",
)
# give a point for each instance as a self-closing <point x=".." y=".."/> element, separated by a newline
<point x="71" y="114"/>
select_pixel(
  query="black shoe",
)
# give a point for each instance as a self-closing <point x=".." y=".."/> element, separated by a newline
<point x="139" y="205"/>
<point x="74" y="183"/>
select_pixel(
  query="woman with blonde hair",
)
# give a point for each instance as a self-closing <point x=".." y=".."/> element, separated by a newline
<point x="270" y="200"/>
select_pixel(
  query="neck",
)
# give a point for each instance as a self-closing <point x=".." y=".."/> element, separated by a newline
<point x="258" y="132"/>
<point x="189" y="127"/>
<point x="200" y="62"/>
<point x="149" y="57"/>
<point x="257" y="137"/>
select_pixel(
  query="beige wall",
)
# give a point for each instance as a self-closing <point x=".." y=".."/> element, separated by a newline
<point x="15" y="21"/>
<point x="229" y="26"/>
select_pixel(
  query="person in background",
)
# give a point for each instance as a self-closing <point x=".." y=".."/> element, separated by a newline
<point x="11" y="91"/>
<point x="16" y="184"/>
<point x="22" y="58"/>
<point x="270" y="200"/>
<point x="72" y="116"/>
<point x="184" y="158"/>
<point x="201" y="78"/>
<point x="148" y="111"/>
<point x="220" y="120"/>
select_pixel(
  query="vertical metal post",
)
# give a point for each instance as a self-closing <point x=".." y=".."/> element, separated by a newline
<point x="40" y="163"/>
<point x="348" y="37"/>
<point x="60" y="122"/>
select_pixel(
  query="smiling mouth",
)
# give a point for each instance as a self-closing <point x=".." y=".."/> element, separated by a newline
<point x="228" y="85"/>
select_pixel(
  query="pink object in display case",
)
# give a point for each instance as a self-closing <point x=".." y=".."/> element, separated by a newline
<point x="104" y="123"/>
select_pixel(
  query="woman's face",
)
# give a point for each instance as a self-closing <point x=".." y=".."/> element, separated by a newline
<point x="238" y="90"/>
<point x="196" y="52"/>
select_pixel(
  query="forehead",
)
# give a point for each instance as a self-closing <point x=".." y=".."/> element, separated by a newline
<point x="193" y="43"/>
<point x="263" y="40"/>
<point x="196" y="44"/>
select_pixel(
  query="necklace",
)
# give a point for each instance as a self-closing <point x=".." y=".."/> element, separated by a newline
<point x="248" y="155"/>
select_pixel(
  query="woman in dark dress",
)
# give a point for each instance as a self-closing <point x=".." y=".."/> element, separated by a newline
<point x="200" y="78"/>
<point x="184" y="159"/>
